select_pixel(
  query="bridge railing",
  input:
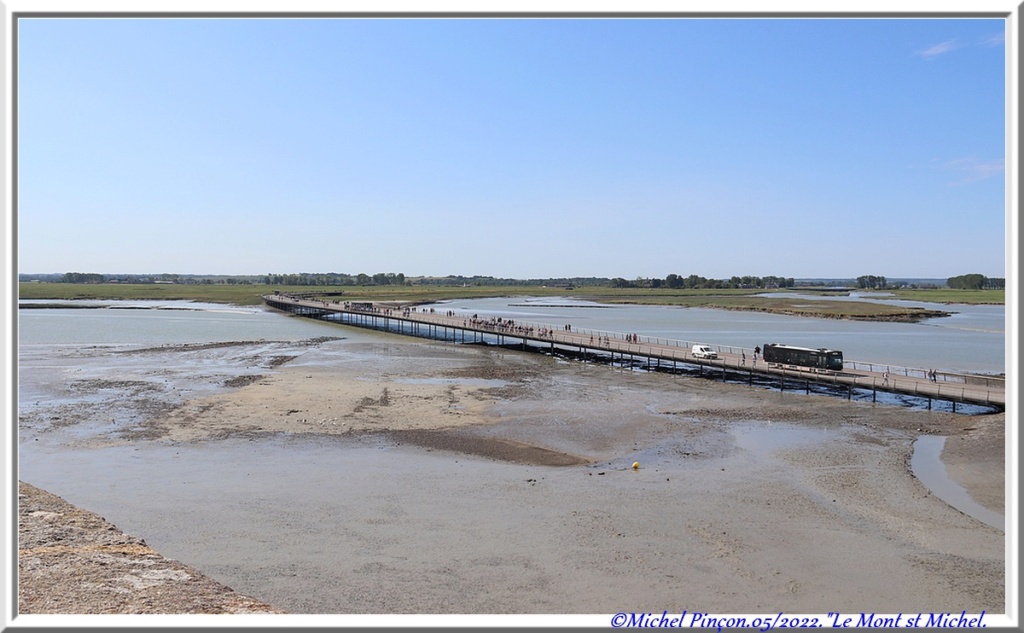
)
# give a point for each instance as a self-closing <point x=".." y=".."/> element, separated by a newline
<point x="634" y="345"/>
<point x="940" y="375"/>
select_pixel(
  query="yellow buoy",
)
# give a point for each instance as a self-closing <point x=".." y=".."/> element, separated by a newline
<point x="636" y="465"/>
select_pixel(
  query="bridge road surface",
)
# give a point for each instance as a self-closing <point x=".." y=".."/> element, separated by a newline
<point x="990" y="392"/>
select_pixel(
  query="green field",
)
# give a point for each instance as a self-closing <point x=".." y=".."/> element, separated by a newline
<point x="721" y="299"/>
<point x="247" y="294"/>
<point x="949" y="295"/>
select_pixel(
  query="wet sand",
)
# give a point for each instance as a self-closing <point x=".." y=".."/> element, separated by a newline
<point x="415" y="477"/>
<point x="71" y="561"/>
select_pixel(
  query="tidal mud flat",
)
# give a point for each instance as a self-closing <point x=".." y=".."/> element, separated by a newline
<point x="397" y="476"/>
<point x="72" y="561"/>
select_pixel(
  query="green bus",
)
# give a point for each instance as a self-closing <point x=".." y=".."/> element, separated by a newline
<point x="816" y="359"/>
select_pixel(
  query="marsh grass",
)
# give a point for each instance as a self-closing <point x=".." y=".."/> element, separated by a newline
<point x="698" y="298"/>
<point x="949" y="295"/>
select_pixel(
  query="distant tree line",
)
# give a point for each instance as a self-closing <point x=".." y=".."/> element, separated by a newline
<point x="975" y="281"/>
<point x="486" y="280"/>
<point x="672" y="281"/>
<point x="82" y="278"/>
<point x="101" y="278"/>
<point x="334" y="279"/>
<point x="675" y="281"/>
<point x="295" y="279"/>
<point x="961" y="282"/>
<point x="874" y="282"/>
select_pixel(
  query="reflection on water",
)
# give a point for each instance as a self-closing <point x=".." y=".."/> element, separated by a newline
<point x="334" y="508"/>
<point x="165" y="323"/>
<point x="765" y="438"/>
<point x="468" y="382"/>
<point x="972" y="340"/>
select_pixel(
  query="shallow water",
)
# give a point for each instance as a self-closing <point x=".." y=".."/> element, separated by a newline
<point x="973" y="340"/>
<point x="764" y="438"/>
<point x="362" y="524"/>
<point x="165" y="323"/>
<point x="931" y="472"/>
<point x="473" y="382"/>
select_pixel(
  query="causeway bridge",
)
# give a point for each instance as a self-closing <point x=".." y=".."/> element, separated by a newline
<point x="733" y="363"/>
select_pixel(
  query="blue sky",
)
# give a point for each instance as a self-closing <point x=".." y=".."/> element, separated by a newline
<point x="512" y="147"/>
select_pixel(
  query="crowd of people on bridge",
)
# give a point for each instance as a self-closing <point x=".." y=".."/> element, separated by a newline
<point x="505" y="325"/>
<point x="499" y="324"/>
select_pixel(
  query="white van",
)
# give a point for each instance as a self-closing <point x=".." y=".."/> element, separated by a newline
<point x="703" y="351"/>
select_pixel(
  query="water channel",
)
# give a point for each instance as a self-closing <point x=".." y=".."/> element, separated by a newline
<point x="972" y="340"/>
<point x="54" y="342"/>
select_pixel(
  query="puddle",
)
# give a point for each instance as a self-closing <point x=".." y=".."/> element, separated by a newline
<point x="466" y="382"/>
<point x="763" y="438"/>
<point x="931" y="472"/>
